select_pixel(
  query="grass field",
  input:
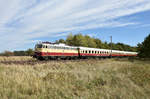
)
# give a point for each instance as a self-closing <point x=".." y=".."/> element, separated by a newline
<point x="26" y="78"/>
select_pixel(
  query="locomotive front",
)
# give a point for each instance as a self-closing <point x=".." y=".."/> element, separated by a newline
<point x="38" y="53"/>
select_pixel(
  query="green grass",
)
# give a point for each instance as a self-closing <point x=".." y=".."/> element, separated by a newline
<point x="86" y="79"/>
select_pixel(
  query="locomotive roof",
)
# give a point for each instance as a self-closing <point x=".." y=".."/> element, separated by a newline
<point x="58" y="45"/>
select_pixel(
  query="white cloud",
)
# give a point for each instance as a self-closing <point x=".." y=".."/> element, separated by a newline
<point x="22" y="21"/>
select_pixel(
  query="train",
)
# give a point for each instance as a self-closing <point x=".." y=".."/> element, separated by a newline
<point x="48" y="50"/>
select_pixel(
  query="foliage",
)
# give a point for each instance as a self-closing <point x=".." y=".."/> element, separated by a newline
<point x="28" y="52"/>
<point x="144" y="48"/>
<point x="87" y="41"/>
<point x="7" y="53"/>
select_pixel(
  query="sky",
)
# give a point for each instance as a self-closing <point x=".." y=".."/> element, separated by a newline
<point x="23" y="23"/>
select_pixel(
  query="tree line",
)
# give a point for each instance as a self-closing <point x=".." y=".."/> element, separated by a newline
<point x="28" y="52"/>
<point x="87" y="41"/>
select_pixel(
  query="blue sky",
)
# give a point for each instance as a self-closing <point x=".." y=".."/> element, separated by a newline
<point x="25" y="22"/>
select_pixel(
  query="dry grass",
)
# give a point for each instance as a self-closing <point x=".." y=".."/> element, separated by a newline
<point x="26" y="78"/>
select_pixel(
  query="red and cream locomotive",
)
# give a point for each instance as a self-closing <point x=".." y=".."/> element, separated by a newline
<point x="47" y="50"/>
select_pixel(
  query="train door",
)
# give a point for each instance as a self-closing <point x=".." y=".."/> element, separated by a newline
<point x="79" y="52"/>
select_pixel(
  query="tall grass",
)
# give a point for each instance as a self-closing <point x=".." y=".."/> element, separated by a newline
<point x="86" y="79"/>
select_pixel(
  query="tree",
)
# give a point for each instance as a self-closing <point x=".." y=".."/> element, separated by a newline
<point x="90" y="42"/>
<point x="61" y="41"/>
<point x="8" y="53"/>
<point x="19" y="53"/>
<point x="79" y="40"/>
<point x="99" y="43"/>
<point x="144" y="48"/>
<point x="69" y="39"/>
<point x="29" y="52"/>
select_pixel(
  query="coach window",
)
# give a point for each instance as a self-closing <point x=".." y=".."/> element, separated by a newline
<point x="95" y="52"/>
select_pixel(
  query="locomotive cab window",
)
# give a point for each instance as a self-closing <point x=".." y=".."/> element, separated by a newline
<point x="39" y="46"/>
